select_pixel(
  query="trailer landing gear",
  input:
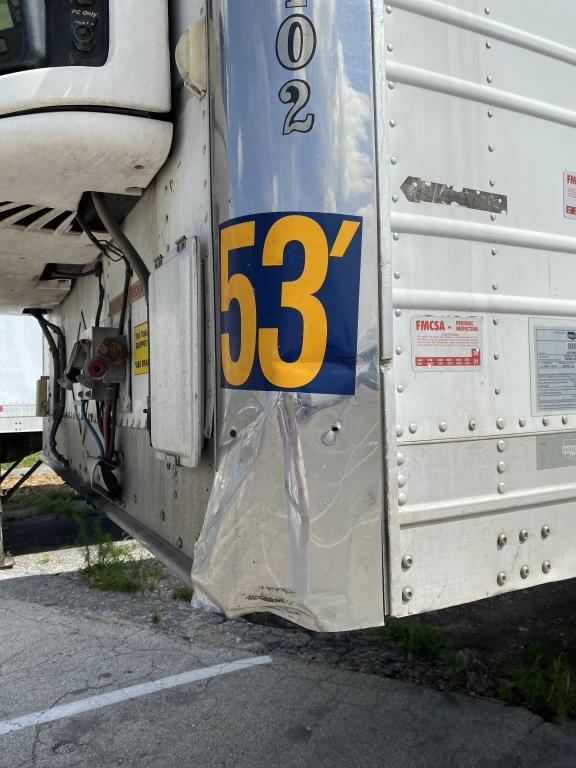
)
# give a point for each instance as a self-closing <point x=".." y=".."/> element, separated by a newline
<point x="6" y="562"/>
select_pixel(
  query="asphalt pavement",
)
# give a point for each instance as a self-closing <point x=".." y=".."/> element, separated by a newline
<point x="106" y="679"/>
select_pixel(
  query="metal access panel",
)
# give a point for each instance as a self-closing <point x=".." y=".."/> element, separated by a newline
<point x="20" y="368"/>
<point x="476" y="126"/>
<point x="176" y="370"/>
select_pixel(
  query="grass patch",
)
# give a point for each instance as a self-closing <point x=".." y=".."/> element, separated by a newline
<point x="26" y="462"/>
<point x="183" y="593"/>
<point x="414" y="637"/>
<point x="545" y="684"/>
<point x="111" y="566"/>
<point x="5" y="17"/>
<point x="155" y="616"/>
<point x="50" y="501"/>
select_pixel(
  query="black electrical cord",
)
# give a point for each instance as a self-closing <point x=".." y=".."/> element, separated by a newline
<point x="100" y="416"/>
<point x="59" y="412"/>
<point x="125" y="296"/>
<point x="113" y="407"/>
<point x="113" y="392"/>
<point x="58" y="352"/>
<point x="70" y="275"/>
<point x="105" y="248"/>
<point x="101" y="293"/>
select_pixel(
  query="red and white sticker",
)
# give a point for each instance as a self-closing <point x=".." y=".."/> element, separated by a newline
<point x="570" y="194"/>
<point x="446" y="343"/>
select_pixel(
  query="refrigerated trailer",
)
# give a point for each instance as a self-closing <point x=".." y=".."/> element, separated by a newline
<point x="306" y="275"/>
<point x="20" y="370"/>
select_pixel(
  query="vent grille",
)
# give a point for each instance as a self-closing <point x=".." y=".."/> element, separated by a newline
<point x="36" y="218"/>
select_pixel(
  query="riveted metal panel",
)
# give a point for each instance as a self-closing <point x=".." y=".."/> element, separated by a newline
<point x="480" y="129"/>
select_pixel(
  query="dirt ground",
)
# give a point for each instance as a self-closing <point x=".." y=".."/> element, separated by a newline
<point x="44" y="476"/>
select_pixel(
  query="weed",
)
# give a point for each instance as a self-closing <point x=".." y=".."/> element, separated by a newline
<point x="111" y="566"/>
<point x="27" y="462"/>
<point x="545" y="684"/>
<point x="413" y="637"/>
<point x="114" y="567"/>
<point x="155" y="616"/>
<point x="52" y="501"/>
<point x="183" y="593"/>
<point x="43" y="559"/>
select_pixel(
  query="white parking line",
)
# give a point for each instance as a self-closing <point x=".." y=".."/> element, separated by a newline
<point x="125" y="694"/>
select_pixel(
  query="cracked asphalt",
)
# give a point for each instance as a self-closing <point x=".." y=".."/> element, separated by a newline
<point x="62" y="642"/>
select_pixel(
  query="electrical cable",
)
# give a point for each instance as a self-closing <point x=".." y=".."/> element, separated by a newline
<point x="95" y="435"/>
<point x="70" y="275"/>
<point x="100" y="415"/>
<point x="113" y="391"/>
<point x="122" y="247"/>
<point x="112" y="423"/>
<point x="58" y="352"/>
<point x="102" y="293"/>
<point x="103" y="246"/>
<point x="113" y="229"/>
<point x="61" y="407"/>
<point x="106" y="430"/>
<point x="125" y="296"/>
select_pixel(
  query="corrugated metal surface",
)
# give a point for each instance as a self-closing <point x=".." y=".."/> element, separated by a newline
<point x="20" y="368"/>
<point x="479" y="122"/>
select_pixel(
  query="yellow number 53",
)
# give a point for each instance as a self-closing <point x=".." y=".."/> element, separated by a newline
<point x="299" y="295"/>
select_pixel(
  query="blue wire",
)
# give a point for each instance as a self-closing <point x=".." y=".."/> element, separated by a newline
<point x="83" y="407"/>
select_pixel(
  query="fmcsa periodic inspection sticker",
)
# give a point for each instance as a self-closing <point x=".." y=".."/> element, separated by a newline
<point x="446" y="343"/>
<point x="570" y="195"/>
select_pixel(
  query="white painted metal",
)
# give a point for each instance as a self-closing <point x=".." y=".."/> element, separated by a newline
<point x="479" y="98"/>
<point x="52" y="159"/>
<point x="135" y="77"/>
<point x="176" y="320"/>
<point x="161" y="500"/>
<point x="20" y="368"/>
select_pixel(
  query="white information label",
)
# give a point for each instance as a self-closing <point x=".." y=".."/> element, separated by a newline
<point x="570" y="194"/>
<point x="446" y="343"/>
<point x="555" y="368"/>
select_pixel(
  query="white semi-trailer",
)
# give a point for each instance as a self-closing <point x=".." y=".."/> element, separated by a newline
<point x="306" y="275"/>
<point x="20" y="370"/>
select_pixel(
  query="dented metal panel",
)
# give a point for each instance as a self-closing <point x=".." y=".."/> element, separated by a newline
<point x="294" y="522"/>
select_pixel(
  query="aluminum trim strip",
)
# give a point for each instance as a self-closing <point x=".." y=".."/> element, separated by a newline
<point x="457" y="17"/>
<point x="464" y="89"/>
<point x="411" y="224"/>
<point x="460" y="509"/>
<point x="473" y="302"/>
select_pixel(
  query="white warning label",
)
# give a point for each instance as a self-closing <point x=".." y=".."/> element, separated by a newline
<point x="446" y="343"/>
<point x="570" y="194"/>
<point x="555" y="368"/>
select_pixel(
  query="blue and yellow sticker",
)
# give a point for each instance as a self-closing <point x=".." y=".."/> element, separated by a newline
<point x="289" y="293"/>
